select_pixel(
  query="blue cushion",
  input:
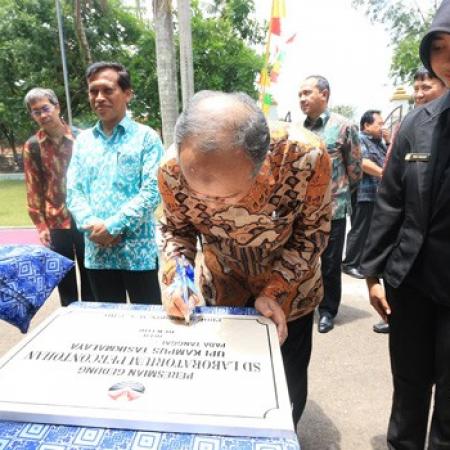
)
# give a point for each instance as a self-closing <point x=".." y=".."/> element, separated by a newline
<point x="28" y="275"/>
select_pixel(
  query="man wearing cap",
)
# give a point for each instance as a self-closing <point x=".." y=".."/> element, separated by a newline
<point x="409" y="247"/>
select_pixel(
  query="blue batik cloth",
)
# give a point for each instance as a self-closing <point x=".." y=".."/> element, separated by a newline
<point x="28" y="275"/>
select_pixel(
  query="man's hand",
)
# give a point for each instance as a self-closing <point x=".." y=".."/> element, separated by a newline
<point x="378" y="298"/>
<point x="386" y="136"/>
<point x="174" y="305"/>
<point x="44" y="237"/>
<point x="98" y="233"/>
<point x="271" y="309"/>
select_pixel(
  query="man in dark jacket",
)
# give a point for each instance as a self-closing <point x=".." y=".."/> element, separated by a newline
<point x="409" y="247"/>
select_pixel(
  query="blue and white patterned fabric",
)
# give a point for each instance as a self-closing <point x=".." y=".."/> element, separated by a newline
<point x="29" y="436"/>
<point x="28" y="274"/>
<point x="113" y="178"/>
<point x="14" y="435"/>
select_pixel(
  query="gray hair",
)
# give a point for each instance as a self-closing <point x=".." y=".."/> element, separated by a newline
<point x="240" y="124"/>
<point x="38" y="93"/>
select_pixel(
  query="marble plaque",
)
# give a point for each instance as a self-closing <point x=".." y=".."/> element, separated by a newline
<point x="138" y="369"/>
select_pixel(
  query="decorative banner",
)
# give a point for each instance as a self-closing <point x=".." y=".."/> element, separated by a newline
<point x="273" y="64"/>
<point x="278" y="12"/>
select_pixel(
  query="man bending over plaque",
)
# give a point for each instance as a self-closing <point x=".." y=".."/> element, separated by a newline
<point x="261" y="212"/>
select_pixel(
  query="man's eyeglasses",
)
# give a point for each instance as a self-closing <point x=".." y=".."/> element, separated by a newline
<point x="46" y="109"/>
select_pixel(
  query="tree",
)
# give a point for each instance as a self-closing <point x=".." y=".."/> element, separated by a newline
<point x="344" y="110"/>
<point x="406" y="24"/>
<point x="186" y="56"/>
<point x="239" y="15"/>
<point x="26" y="63"/>
<point x="81" y="33"/>
<point x="166" y="67"/>
<point x="222" y="59"/>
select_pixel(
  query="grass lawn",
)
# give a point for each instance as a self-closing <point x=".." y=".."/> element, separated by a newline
<point x="13" y="211"/>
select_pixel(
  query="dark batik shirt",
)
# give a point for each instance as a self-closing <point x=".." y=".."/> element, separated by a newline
<point x="375" y="150"/>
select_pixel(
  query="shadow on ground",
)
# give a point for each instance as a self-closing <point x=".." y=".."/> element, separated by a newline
<point x="317" y="431"/>
<point x="378" y="442"/>
<point x="347" y="314"/>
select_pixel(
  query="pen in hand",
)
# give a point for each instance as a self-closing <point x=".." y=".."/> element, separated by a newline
<point x="186" y="280"/>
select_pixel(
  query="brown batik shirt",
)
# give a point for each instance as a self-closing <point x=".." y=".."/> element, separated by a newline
<point x="45" y="166"/>
<point x="269" y="243"/>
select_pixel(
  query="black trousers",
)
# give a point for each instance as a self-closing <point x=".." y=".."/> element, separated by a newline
<point x="331" y="269"/>
<point x="113" y="285"/>
<point x="296" y="352"/>
<point x="356" y="237"/>
<point x="419" y="345"/>
<point x="70" y="243"/>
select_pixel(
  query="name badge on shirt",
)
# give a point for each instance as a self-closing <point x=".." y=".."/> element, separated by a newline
<point x="422" y="157"/>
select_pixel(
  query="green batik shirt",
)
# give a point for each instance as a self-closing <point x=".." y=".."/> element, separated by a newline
<point x="343" y="145"/>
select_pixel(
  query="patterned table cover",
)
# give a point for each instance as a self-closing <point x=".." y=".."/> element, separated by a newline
<point x="32" y="436"/>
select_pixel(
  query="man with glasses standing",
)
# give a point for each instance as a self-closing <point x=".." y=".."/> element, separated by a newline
<point x="46" y="157"/>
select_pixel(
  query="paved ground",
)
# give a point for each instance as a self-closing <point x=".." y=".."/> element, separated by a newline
<point x="350" y="386"/>
<point x="349" y="380"/>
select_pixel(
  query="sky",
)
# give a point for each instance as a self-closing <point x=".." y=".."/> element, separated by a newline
<point x="336" y="41"/>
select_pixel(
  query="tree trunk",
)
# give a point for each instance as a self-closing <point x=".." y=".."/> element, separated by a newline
<point x="186" y="58"/>
<point x="11" y="138"/>
<point x="81" y="34"/>
<point x="166" y="68"/>
<point x="139" y="9"/>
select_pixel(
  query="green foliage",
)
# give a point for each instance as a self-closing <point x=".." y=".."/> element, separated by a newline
<point x="238" y="15"/>
<point x="142" y="66"/>
<point x="222" y="61"/>
<point x="406" y="60"/>
<point x="30" y="56"/>
<point x="344" y="110"/>
<point x="406" y="24"/>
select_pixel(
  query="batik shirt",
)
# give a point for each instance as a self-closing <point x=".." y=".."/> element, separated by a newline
<point x="267" y="244"/>
<point x="342" y="141"/>
<point x="374" y="150"/>
<point x="45" y="165"/>
<point x="114" y="179"/>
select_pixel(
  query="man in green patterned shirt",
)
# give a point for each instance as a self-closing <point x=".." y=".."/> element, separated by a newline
<point x="342" y="141"/>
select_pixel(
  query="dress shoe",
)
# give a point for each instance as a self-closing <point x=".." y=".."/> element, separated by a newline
<point x="381" y="327"/>
<point x="326" y="324"/>
<point x="353" y="272"/>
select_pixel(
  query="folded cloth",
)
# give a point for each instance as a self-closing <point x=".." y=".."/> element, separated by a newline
<point x="28" y="274"/>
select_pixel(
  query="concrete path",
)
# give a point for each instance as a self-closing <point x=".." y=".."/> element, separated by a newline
<point x="350" y="387"/>
<point x="349" y="378"/>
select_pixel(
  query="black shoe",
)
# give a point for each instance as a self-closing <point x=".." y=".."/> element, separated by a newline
<point x="326" y="324"/>
<point x="353" y="272"/>
<point x="381" y="327"/>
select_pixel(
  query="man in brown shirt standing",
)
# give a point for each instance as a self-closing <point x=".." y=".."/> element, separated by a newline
<point x="46" y="156"/>
<point x="262" y="215"/>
